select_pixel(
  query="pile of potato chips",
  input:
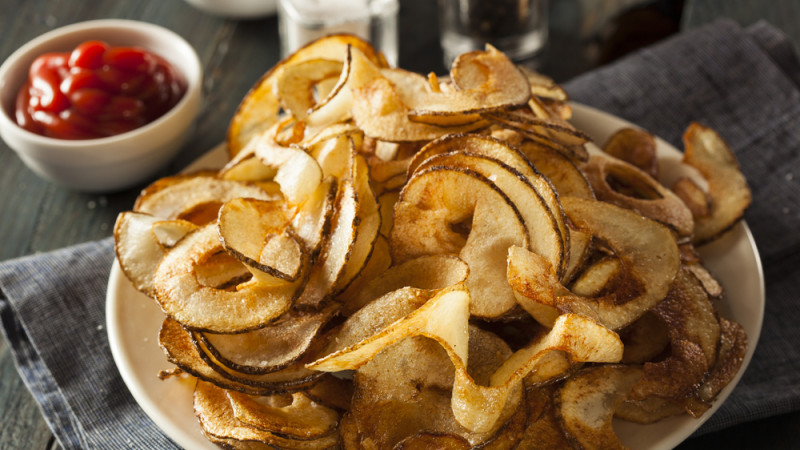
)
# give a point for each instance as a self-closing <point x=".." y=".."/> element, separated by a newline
<point x="397" y="261"/>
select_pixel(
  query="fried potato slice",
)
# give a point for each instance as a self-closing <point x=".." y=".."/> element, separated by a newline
<point x="358" y="70"/>
<point x="271" y="348"/>
<point x="294" y="416"/>
<point x="413" y="88"/>
<point x="248" y="168"/>
<point x="169" y="232"/>
<point x="260" y="107"/>
<point x="636" y="147"/>
<point x="181" y="350"/>
<point x="335" y="156"/>
<point x="221" y="270"/>
<point x="485" y="146"/>
<point x="369" y="223"/>
<point x="690" y="315"/>
<point x="623" y="184"/>
<point x="572" y="336"/>
<point x="140" y="241"/>
<point x="379" y="261"/>
<point x="730" y="355"/>
<point x="544" y="129"/>
<point x="216" y="416"/>
<point x="297" y="82"/>
<point x="567" y="180"/>
<point x="429" y="272"/>
<point x="693" y="196"/>
<point x="387" y="201"/>
<point x="494" y="148"/>
<point x="490" y="73"/>
<point x="416" y="91"/>
<point x="484" y="81"/>
<point x="234" y="444"/>
<point x="298" y="173"/>
<point x="434" y="216"/>
<point x="694" y="333"/>
<point x="195" y="198"/>
<point x="181" y="296"/>
<point x="388" y="410"/>
<point x="336" y="251"/>
<point x="444" y="318"/>
<point x="543" y="86"/>
<point x="535" y="284"/>
<point x="312" y="221"/>
<point x="563" y="173"/>
<point x="256" y="233"/>
<point x="452" y="302"/>
<point x="382" y="170"/>
<point x="380" y="112"/>
<point x="291" y="378"/>
<point x="319" y="136"/>
<point x="649" y="410"/>
<point x="546" y="238"/>
<point x="645" y="339"/>
<point x="588" y="400"/>
<point x="728" y="192"/>
<point x="543" y="430"/>
<point x="425" y="440"/>
<point x="332" y="391"/>
<point x="348" y="431"/>
<point x="557" y="108"/>
<point x="598" y="277"/>
<point x="647" y="251"/>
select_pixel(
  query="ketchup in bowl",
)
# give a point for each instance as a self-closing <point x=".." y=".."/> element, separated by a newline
<point x="96" y="91"/>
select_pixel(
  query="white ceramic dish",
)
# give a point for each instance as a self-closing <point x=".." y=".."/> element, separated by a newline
<point x="115" y="162"/>
<point x="133" y="321"/>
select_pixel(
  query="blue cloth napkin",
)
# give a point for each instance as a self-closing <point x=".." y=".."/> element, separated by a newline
<point x="52" y="308"/>
<point x="742" y="82"/>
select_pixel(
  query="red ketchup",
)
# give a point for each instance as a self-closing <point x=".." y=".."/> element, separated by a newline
<point x="96" y="91"/>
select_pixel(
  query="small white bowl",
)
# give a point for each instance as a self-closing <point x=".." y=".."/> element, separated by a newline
<point x="111" y="163"/>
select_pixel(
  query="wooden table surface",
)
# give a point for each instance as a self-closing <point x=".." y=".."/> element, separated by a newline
<point x="38" y="216"/>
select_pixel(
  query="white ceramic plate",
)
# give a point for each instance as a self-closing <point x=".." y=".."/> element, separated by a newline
<point x="133" y="321"/>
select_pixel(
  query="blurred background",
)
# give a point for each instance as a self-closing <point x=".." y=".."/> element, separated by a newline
<point x="588" y="33"/>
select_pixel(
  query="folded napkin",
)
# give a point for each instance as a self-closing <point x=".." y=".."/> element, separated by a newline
<point x="742" y="82"/>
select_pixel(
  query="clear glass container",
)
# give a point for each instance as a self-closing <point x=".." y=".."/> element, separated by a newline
<point x="519" y="28"/>
<point x="302" y="21"/>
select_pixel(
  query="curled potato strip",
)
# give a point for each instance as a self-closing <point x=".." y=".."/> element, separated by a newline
<point x="297" y="172"/>
<point x="648" y="197"/>
<point x="182" y="297"/>
<point x="141" y="241"/>
<point x="445" y="318"/>
<point x="647" y="252"/>
<point x="260" y="108"/>
<point x="728" y="191"/>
